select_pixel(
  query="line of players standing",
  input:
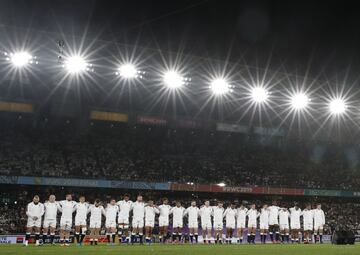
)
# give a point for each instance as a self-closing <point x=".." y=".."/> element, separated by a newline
<point x="272" y="220"/>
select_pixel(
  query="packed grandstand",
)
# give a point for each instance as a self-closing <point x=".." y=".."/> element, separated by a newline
<point x="160" y="154"/>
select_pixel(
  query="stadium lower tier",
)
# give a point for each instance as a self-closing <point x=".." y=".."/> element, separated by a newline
<point x="339" y="213"/>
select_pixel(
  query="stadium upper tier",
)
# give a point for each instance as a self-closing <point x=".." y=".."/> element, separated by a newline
<point x="154" y="153"/>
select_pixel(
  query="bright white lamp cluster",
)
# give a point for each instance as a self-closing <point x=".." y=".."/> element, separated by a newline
<point x="337" y="106"/>
<point x="77" y="64"/>
<point x="220" y="86"/>
<point x="21" y="58"/>
<point x="129" y="71"/>
<point x="259" y="94"/>
<point x="174" y="80"/>
<point x="299" y="101"/>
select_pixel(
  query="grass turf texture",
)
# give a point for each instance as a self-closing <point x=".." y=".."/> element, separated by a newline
<point x="325" y="249"/>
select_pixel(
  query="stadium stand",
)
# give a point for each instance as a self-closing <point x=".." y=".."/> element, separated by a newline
<point x="147" y="153"/>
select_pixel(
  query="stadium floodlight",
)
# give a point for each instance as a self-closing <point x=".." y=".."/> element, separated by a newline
<point x="220" y="87"/>
<point x="173" y="80"/>
<point x="259" y="94"/>
<point x="221" y="184"/>
<point x="20" y="59"/>
<point x="299" y="101"/>
<point x="76" y="64"/>
<point x="337" y="106"/>
<point x="127" y="71"/>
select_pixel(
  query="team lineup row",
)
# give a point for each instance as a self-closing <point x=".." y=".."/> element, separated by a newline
<point x="272" y="220"/>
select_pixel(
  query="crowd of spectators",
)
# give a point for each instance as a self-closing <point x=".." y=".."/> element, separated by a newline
<point x="168" y="155"/>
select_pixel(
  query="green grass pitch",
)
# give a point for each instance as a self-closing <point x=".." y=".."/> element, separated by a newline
<point x="325" y="249"/>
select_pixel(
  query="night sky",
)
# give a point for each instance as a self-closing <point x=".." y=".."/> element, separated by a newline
<point x="325" y="34"/>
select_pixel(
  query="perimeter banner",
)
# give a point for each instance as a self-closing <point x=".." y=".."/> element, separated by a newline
<point x="234" y="128"/>
<point x="11" y="239"/>
<point x="91" y="183"/>
<point x="151" y="120"/>
<point x="211" y="188"/>
<point x="18" y="239"/>
<point x="190" y="124"/>
<point x="236" y="189"/>
<point x="109" y="116"/>
<point x="331" y="193"/>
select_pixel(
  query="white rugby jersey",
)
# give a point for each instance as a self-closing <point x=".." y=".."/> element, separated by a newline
<point x="308" y="216"/>
<point x="96" y="212"/>
<point x="138" y="209"/>
<point x="241" y="215"/>
<point x="230" y="215"/>
<point x="81" y="210"/>
<point x="295" y="216"/>
<point x="319" y="217"/>
<point x="165" y="211"/>
<point x="35" y="210"/>
<point x="284" y="217"/>
<point x="178" y="213"/>
<point x="205" y="213"/>
<point x="264" y="216"/>
<point x="274" y="215"/>
<point x="66" y="208"/>
<point x="111" y="212"/>
<point x="252" y="214"/>
<point x="50" y="210"/>
<point x="218" y="214"/>
<point x="193" y="213"/>
<point x="124" y="209"/>
<point x="150" y="212"/>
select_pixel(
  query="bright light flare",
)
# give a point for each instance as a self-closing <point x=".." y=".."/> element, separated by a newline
<point x="337" y="106"/>
<point x="173" y="80"/>
<point x="20" y="59"/>
<point x="127" y="71"/>
<point x="220" y="87"/>
<point x="299" y="101"/>
<point x="259" y="94"/>
<point x="76" y="64"/>
<point x="221" y="184"/>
